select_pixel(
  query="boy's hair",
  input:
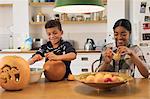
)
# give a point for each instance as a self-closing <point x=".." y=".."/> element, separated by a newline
<point x="53" y="23"/>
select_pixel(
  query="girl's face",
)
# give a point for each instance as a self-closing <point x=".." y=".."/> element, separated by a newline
<point x="121" y="36"/>
<point x="54" y="35"/>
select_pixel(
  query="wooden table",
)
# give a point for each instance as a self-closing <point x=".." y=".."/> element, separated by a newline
<point x="137" y="89"/>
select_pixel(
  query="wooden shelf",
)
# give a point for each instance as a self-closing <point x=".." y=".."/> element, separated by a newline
<point x="83" y="22"/>
<point x="4" y="5"/>
<point x="37" y="23"/>
<point x="42" y="3"/>
<point x="71" y="22"/>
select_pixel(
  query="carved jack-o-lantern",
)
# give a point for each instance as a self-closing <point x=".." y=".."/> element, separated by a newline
<point x="14" y="73"/>
<point x="54" y="70"/>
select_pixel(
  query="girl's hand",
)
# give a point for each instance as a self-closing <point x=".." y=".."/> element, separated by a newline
<point x="108" y="55"/>
<point x="51" y="56"/>
<point x="122" y="50"/>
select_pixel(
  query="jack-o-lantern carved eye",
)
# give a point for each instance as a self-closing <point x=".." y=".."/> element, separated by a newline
<point x="14" y="73"/>
<point x="9" y="73"/>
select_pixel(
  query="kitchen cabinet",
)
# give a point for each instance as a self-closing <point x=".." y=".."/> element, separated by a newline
<point x="83" y="62"/>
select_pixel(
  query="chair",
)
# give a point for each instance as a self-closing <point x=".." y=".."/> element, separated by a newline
<point x="93" y="69"/>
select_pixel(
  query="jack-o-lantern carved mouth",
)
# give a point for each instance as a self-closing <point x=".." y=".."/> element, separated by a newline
<point x="9" y="73"/>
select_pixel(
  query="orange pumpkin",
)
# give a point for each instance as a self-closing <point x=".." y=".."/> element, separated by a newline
<point x="14" y="73"/>
<point x="54" y="70"/>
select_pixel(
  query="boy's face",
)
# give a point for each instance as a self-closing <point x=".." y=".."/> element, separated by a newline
<point x="54" y="35"/>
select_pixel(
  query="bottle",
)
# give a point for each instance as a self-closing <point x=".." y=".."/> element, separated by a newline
<point x="11" y="42"/>
<point x="28" y="43"/>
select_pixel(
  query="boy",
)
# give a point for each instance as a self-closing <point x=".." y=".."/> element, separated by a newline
<point x="56" y="48"/>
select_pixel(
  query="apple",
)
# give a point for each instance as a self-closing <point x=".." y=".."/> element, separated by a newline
<point x="90" y="79"/>
<point x="70" y="77"/>
<point x="99" y="75"/>
<point x="116" y="56"/>
<point x="98" y="80"/>
<point x="115" y="79"/>
<point x="120" y="78"/>
<point x="107" y="76"/>
<point x="108" y="80"/>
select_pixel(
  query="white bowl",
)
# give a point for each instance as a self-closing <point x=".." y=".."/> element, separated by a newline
<point x="35" y="74"/>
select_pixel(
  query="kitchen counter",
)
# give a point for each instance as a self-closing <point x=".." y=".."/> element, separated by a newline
<point x="33" y="51"/>
<point x="137" y="89"/>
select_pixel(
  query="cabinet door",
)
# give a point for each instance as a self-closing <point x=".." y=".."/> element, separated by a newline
<point x="83" y="62"/>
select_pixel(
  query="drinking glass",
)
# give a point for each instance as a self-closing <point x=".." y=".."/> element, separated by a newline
<point x="125" y="71"/>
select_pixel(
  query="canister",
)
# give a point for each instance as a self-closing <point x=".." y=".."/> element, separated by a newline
<point x="40" y="17"/>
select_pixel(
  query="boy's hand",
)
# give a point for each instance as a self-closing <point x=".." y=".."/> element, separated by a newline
<point x="35" y="58"/>
<point x="51" y="56"/>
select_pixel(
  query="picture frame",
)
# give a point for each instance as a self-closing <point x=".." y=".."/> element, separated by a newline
<point x="143" y="7"/>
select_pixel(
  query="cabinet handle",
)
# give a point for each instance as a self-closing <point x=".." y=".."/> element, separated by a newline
<point x="84" y="70"/>
<point x="84" y="58"/>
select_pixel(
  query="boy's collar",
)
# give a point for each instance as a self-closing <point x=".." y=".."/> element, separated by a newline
<point x="60" y="42"/>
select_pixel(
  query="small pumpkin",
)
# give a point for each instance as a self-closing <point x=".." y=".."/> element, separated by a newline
<point x="14" y="73"/>
<point x="54" y="70"/>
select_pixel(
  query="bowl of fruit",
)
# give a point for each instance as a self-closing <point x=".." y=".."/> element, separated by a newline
<point x="103" y="80"/>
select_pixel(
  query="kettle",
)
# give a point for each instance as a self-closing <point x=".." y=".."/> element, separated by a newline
<point x="89" y="45"/>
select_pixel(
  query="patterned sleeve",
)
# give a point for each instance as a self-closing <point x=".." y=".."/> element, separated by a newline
<point x="42" y="50"/>
<point x="69" y="48"/>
